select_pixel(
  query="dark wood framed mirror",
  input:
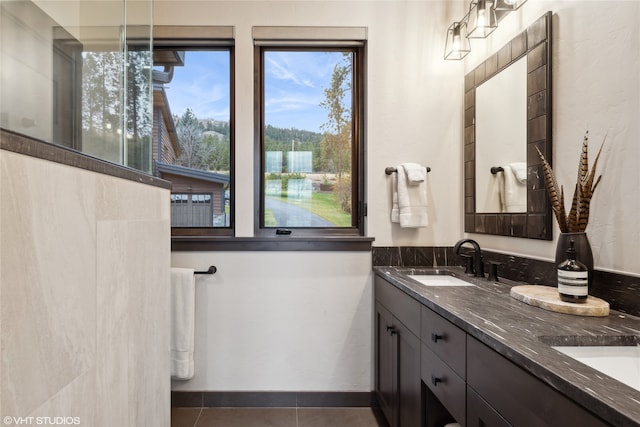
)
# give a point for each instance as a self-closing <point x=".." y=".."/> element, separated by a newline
<point x="535" y="221"/>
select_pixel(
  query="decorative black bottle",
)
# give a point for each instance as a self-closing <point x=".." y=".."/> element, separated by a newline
<point x="573" y="278"/>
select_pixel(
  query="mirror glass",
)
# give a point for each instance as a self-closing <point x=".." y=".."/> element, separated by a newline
<point x="501" y="141"/>
<point x="507" y="119"/>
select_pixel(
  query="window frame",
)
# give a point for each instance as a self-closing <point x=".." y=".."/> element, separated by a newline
<point x="306" y="39"/>
<point x="206" y="38"/>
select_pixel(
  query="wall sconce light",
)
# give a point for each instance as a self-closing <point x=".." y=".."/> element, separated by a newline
<point x="457" y="45"/>
<point x="508" y="5"/>
<point x="482" y="19"/>
<point x="478" y="23"/>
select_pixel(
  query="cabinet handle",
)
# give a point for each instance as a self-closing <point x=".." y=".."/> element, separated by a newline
<point x="435" y="337"/>
<point x="392" y="330"/>
<point x="435" y="380"/>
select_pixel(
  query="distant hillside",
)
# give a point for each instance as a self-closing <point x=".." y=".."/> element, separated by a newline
<point x="288" y="135"/>
<point x="275" y="134"/>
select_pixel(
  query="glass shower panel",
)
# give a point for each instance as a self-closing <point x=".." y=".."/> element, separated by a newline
<point x="77" y="74"/>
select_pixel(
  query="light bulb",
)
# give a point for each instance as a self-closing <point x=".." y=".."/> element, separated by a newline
<point x="482" y="18"/>
<point x="482" y="13"/>
<point x="457" y="41"/>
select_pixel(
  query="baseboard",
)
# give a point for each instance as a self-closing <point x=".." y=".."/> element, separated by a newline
<point x="265" y="399"/>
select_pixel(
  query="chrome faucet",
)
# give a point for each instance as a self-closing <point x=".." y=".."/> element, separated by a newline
<point x="477" y="268"/>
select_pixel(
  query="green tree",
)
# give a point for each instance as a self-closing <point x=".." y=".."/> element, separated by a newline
<point x="219" y="153"/>
<point x="336" y="143"/>
<point x="193" y="153"/>
<point x="101" y="86"/>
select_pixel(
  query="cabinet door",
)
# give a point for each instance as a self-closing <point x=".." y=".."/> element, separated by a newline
<point x="409" y="383"/>
<point x="398" y="385"/>
<point x="385" y="351"/>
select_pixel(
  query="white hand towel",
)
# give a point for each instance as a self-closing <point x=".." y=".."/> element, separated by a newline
<point x="415" y="172"/>
<point x="182" y="322"/>
<point x="501" y="191"/>
<point x="412" y="201"/>
<point x="395" y="210"/>
<point x="515" y="192"/>
<point x="519" y="169"/>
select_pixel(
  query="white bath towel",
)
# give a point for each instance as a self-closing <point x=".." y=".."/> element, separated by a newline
<point x="514" y="191"/>
<point x="412" y="200"/>
<point x="182" y="322"/>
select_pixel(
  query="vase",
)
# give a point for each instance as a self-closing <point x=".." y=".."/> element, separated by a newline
<point x="582" y="247"/>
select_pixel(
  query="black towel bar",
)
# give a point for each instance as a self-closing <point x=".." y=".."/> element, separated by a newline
<point x="211" y="270"/>
<point x="496" y="169"/>
<point x="389" y="170"/>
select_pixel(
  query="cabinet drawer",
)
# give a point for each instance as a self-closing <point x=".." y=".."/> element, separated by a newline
<point x="444" y="383"/>
<point x="518" y="396"/>
<point x="403" y="307"/>
<point x="480" y="414"/>
<point x="445" y="339"/>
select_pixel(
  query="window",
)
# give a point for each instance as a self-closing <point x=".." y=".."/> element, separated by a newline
<point x="193" y="127"/>
<point x="309" y="130"/>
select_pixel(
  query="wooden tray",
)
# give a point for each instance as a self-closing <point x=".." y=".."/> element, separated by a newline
<point x="547" y="297"/>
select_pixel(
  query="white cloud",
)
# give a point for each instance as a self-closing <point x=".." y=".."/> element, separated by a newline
<point x="285" y="71"/>
<point x="289" y="103"/>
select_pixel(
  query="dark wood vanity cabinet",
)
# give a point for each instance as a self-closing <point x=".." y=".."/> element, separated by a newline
<point x="429" y="372"/>
<point x="397" y="351"/>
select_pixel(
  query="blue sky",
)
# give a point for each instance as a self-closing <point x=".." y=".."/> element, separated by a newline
<point x="294" y="81"/>
<point x="202" y="85"/>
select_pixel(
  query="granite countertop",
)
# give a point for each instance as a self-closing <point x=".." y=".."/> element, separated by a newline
<point x="522" y="333"/>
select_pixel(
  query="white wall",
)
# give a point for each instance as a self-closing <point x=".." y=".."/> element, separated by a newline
<point x="596" y="87"/>
<point x="319" y="301"/>
<point x="281" y="321"/>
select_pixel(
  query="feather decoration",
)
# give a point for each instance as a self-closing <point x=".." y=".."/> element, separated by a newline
<point x="578" y="218"/>
<point x="585" y="186"/>
<point x="556" y="193"/>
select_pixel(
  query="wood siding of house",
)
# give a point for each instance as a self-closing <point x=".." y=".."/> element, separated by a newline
<point x="165" y="141"/>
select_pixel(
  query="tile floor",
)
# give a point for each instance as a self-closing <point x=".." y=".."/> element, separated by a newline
<point x="273" y="417"/>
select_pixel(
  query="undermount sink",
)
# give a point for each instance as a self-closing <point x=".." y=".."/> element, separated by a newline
<point x="619" y="362"/>
<point x="615" y="356"/>
<point x="439" y="280"/>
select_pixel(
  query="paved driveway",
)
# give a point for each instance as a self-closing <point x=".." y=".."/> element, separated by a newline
<point x="288" y="215"/>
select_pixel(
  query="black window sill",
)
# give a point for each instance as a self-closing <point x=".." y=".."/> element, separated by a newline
<point x="280" y="243"/>
<point x="28" y="146"/>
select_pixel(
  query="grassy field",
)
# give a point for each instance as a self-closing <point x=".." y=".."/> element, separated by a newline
<point x="322" y="204"/>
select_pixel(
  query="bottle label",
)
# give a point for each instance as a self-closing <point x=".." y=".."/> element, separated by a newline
<point x="574" y="283"/>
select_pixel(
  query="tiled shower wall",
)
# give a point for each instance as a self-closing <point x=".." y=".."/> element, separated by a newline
<point x="621" y="291"/>
<point x="84" y="296"/>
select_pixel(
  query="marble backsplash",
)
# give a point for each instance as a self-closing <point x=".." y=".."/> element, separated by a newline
<point x="621" y="291"/>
